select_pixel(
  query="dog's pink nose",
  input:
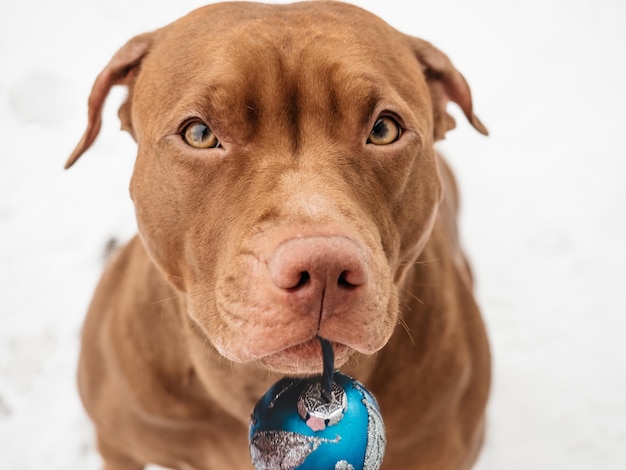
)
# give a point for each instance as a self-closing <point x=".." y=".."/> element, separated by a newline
<point x="319" y="271"/>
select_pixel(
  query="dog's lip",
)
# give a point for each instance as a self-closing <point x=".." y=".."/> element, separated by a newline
<point x="305" y="358"/>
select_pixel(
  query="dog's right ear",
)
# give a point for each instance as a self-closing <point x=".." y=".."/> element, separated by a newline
<point x="121" y="70"/>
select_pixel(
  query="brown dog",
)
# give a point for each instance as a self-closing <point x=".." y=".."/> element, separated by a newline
<point x="286" y="188"/>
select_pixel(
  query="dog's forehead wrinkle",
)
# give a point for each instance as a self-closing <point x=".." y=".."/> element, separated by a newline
<point x="268" y="46"/>
<point x="270" y="85"/>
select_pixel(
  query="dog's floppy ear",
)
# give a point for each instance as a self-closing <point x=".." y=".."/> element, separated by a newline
<point x="446" y="84"/>
<point x="121" y="70"/>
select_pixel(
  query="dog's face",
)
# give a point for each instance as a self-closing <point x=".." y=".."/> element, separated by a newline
<point x="285" y="176"/>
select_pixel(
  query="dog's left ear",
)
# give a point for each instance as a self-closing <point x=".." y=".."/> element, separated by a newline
<point x="121" y="70"/>
<point x="446" y="84"/>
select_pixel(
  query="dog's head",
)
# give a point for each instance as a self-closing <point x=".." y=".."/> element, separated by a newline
<point x="285" y="177"/>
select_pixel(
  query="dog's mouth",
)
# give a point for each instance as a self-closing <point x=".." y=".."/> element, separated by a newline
<point x="305" y="358"/>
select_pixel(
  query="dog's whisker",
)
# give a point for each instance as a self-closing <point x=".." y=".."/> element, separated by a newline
<point x="164" y="300"/>
<point x="425" y="262"/>
<point x="406" y="328"/>
<point x="413" y="296"/>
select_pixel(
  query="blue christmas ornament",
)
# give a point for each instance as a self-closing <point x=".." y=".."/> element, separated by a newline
<point x="299" y="424"/>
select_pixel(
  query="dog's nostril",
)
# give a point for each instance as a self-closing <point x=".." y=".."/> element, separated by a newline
<point x="304" y="279"/>
<point x="343" y="281"/>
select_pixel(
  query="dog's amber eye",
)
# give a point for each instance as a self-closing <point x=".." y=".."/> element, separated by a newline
<point x="198" y="135"/>
<point x="386" y="131"/>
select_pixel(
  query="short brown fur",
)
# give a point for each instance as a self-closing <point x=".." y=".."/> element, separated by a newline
<point x="189" y="324"/>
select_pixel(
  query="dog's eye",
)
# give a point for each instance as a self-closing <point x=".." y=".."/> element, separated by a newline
<point x="198" y="135"/>
<point x="385" y="131"/>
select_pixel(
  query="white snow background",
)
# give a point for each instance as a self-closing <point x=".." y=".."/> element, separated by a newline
<point x="543" y="220"/>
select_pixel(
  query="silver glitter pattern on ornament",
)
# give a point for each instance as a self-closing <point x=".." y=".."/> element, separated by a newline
<point x="283" y="450"/>
<point x="376" y="440"/>
<point x="343" y="465"/>
<point x="285" y="386"/>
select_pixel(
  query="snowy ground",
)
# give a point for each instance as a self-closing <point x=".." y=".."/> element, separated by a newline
<point x="544" y="215"/>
